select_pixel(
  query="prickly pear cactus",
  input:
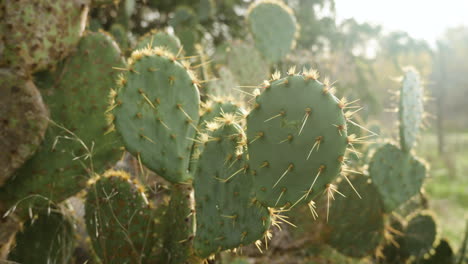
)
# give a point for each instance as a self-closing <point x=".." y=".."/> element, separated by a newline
<point x="397" y="175"/>
<point x="297" y="139"/>
<point x="120" y="35"/>
<point x="24" y="120"/>
<point x="46" y="238"/>
<point x="36" y="34"/>
<point x="274" y="28"/>
<point x="119" y="219"/>
<point x="156" y="38"/>
<point x="156" y="111"/>
<point x="356" y="225"/>
<point x="227" y="214"/>
<point x="217" y="106"/>
<point x="411" y="110"/>
<point x="246" y="64"/>
<point x="75" y="144"/>
<point x="420" y="234"/>
<point x="443" y="254"/>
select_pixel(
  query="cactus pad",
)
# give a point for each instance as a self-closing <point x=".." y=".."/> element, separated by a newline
<point x="246" y="64"/>
<point x="156" y="111"/>
<point x="297" y="140"/>
<point x="227" y="216"/>
<point x="356" y="225"/>
<point x="24" y="120"/>
<point x="36" y="34"/>
<point x="156" y="38"/>
<point x="119" y="219"/>
<point x="75" y="95"/>
<point x="411" y="109"/>
<point x="273" y="26"/>
<point x="48" y="239"/>
<point x="420" y="234"/>
<point x="398" y="175"/>
<point x="443" y="254"/>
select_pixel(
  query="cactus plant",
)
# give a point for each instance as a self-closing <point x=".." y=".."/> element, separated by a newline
<point x="310" y="135"/>
<point x="40" y="32"/>
<point x="411" y="110"/>
<point x="156" y="38"/>
<point x="118" y="216"/>
<point x="397" y="175"/>
<point x="76" y="142"/>
<point x="227" y="214"/>
<point x="158" y="131"/>
<point x="24" y="121"/>
<point x="273" y="27"/>
<point x="46" y="238"/>
<point x="359" y="233"/>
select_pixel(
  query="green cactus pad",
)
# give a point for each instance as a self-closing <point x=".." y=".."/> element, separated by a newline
<point x="297" y="140"/>
<point x="119" y="219"/>
<point x="179" y="225"/>
<point x="48" y="239"/>
<point x="156" y="38"/>
<point x="398" y="175"/>
<point x="215" y="107"/>
<point x="206" y="10"/>
<point x="24" y="120"/>
<point x="75" y="94"/>
<point x="246" y="64"/>
<point x="273" y="26"/>
<point x="227" y="216"/>
<point x="411" y="109"/>
<point x="443" y="254"/>
<point x="420" y="234"/>
<point x="356" y="225"/>
<point x="156" y="112"/>
<point x="39" y="33"/>
<point x="120" y="35"/>
<point x="184" y="16"/>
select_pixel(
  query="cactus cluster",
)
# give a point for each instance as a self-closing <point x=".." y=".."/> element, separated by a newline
<point x="230" y="171"/>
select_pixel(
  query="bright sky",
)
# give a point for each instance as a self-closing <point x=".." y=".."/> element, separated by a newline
<point x="422" y="19"/>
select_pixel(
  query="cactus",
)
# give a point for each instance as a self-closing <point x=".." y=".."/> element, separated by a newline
<point x="156" y="112"/>
<point x="227" y="214"/>
<point x="46" y="238"/>
<point x="359" y="233"/>
<point x="273" y="27"/>
<point x="443" y="254"/>
<point x="24" y="121"/>
<point x="397" y="175"/>
<point x="119" y="219"/>
<point x="411" y="110"/>
<point x="246" y="64"/>
<point x="310" y="135"/>
<point x="120" y="35"/>
<point x="156" y="38"/>
<point x="40" y="32"/>
<point x="76" y="142"/>
<point x="420" y="234"/>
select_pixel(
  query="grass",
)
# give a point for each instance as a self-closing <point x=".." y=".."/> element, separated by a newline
<point x="447" y="185"/>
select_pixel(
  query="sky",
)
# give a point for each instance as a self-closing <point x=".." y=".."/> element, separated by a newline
<point x="422" y="19"/>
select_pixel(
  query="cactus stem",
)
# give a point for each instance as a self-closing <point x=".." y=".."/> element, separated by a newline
<point x="290" y="167"/>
